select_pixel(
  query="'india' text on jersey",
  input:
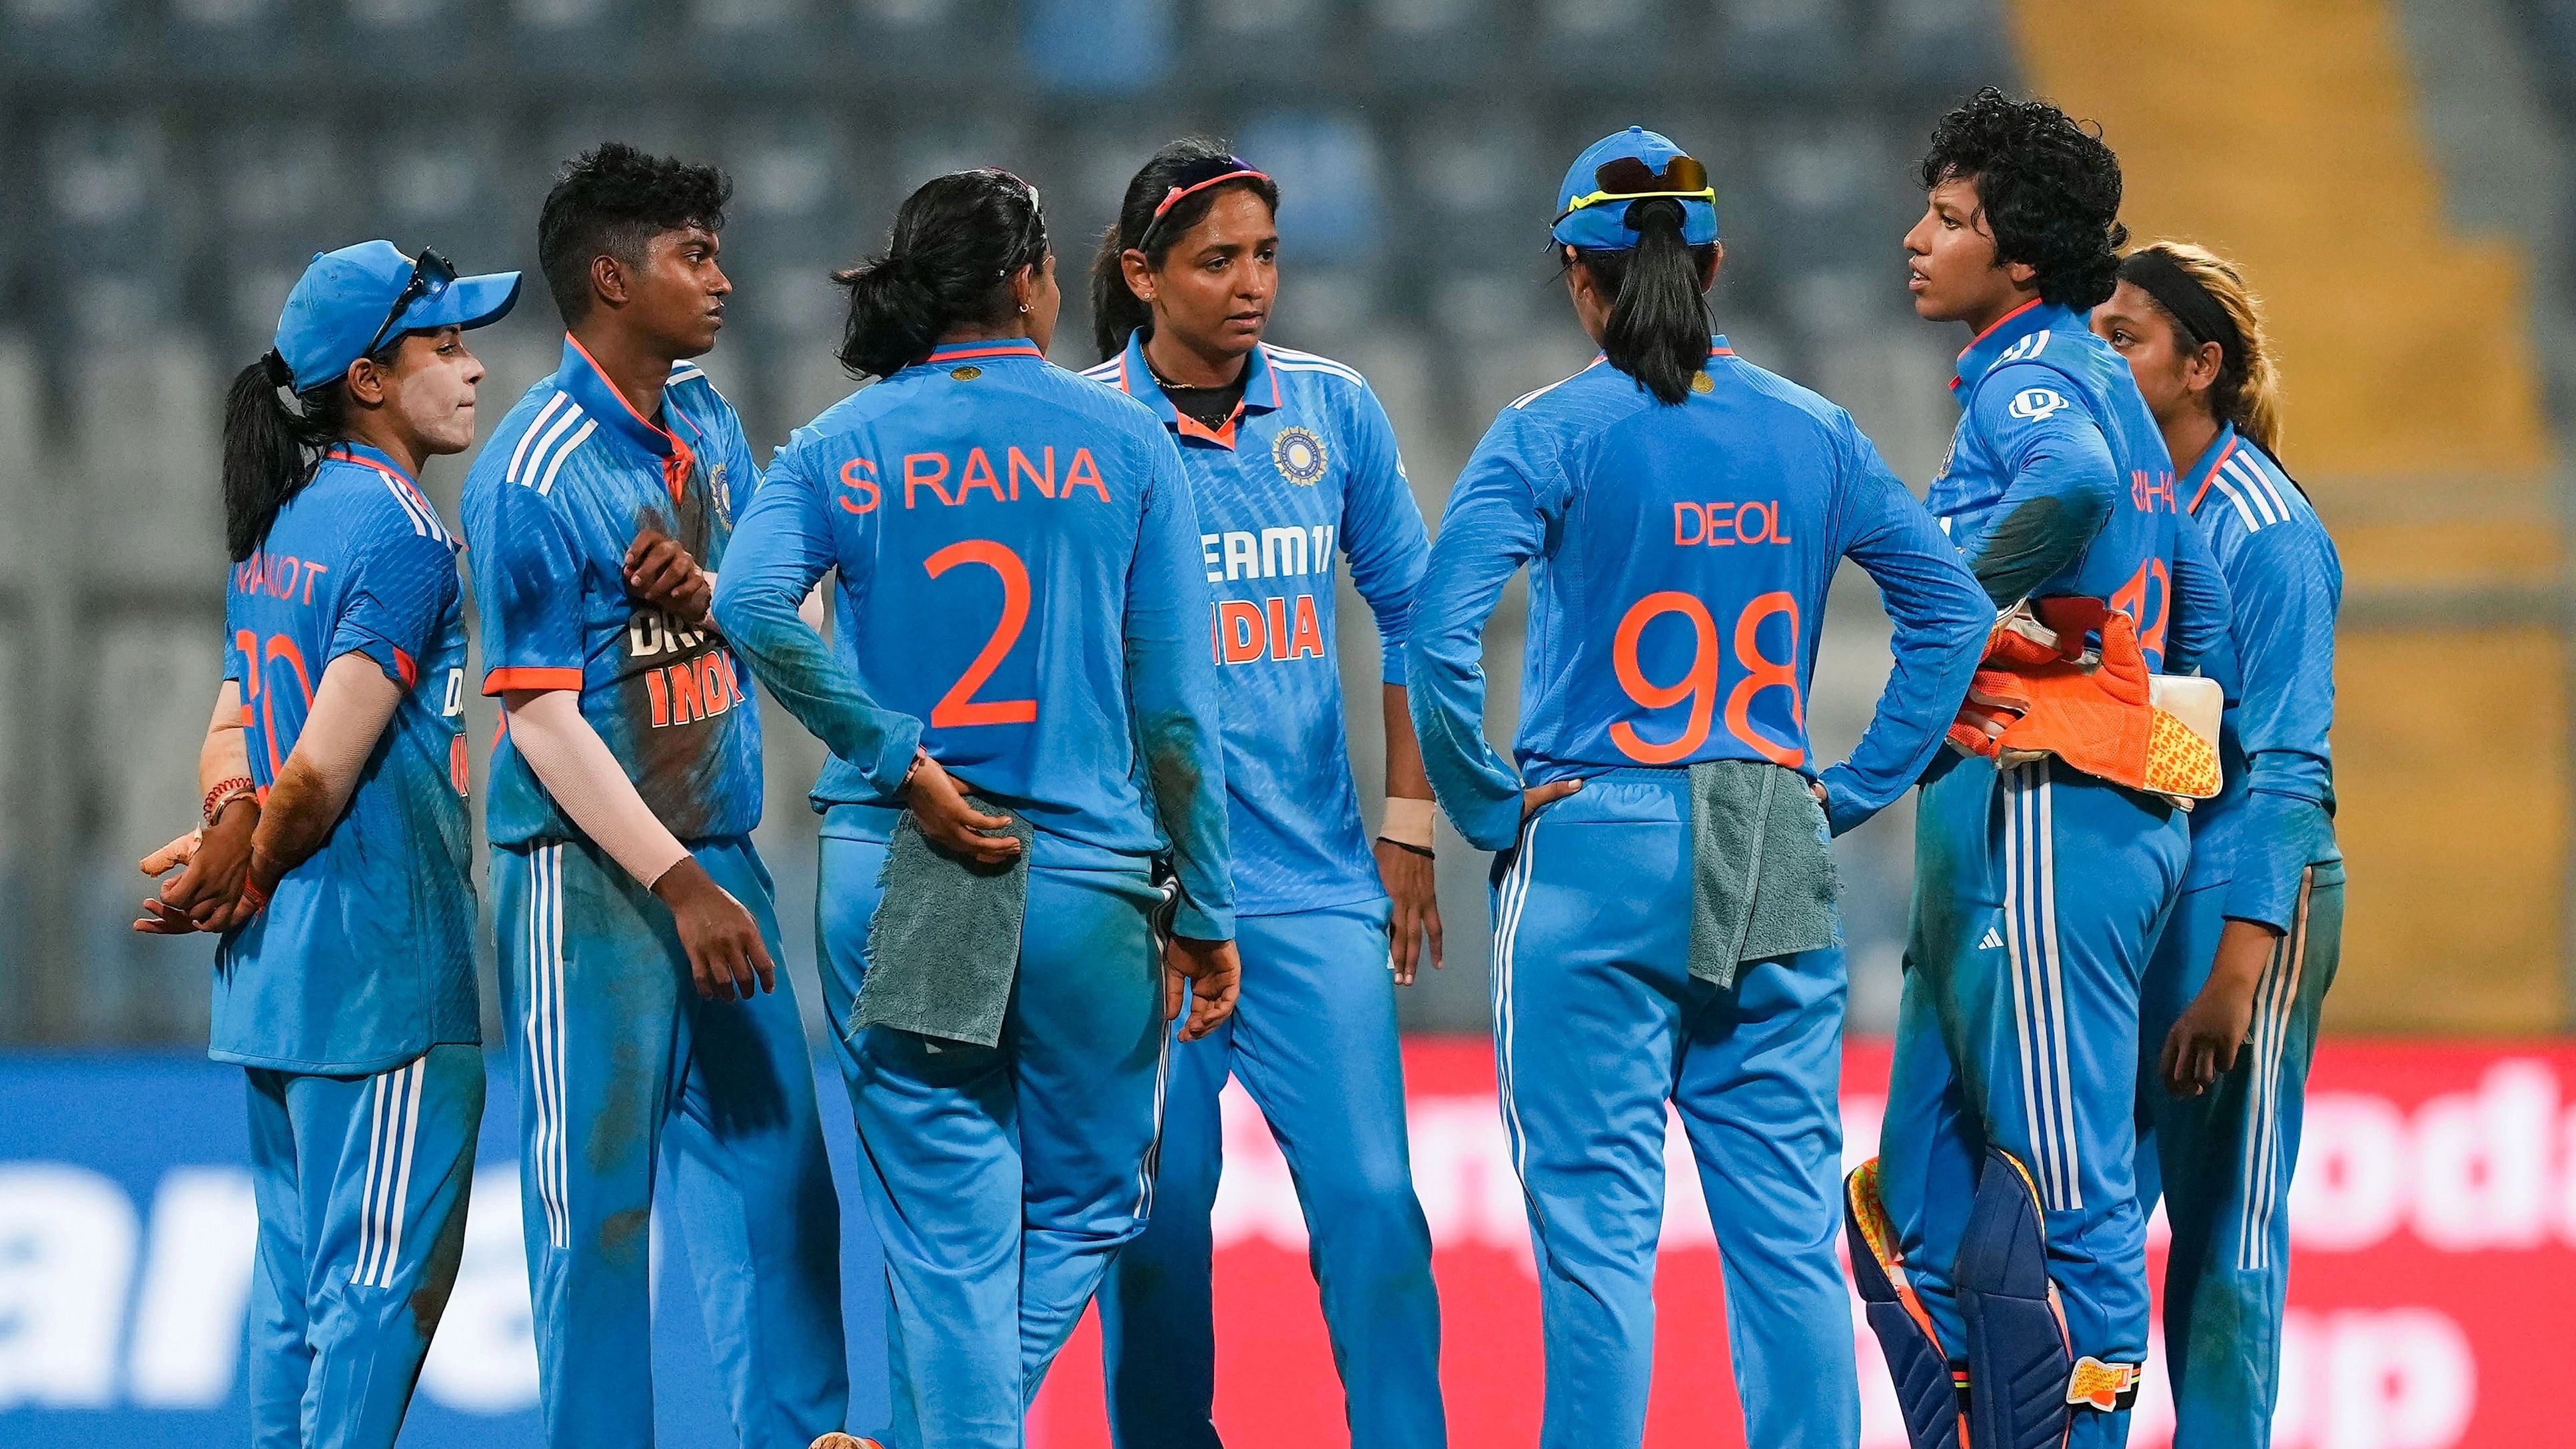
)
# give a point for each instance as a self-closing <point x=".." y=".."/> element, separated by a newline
<point x="554" y="501"/>
<point x="1306" y="468"/>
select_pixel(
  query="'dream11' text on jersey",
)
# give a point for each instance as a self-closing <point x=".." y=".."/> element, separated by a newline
<point x="553" y="503"/>
<point x="1306" y="468"/>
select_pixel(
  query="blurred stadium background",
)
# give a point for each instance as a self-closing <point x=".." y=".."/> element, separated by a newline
<point x="2397" y="176"/>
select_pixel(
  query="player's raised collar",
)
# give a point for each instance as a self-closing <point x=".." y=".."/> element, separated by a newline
<point x="581" y="378"/>
<point x="2195" y="484"/>
<point x="2009" y="339"/>
<point x="367" y="456"/>
<point x="1261" y="391"/>
<point x="985" y="350"/>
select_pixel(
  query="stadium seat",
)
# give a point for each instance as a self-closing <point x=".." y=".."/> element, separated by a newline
<point x="1783" y="44"/>
<point x="83" y="38"/>
<point x="235" y="39"/>
<point x="410" y="39"/>
<point x="758" y="42"/>
<point x="1627" y="41"/>
<point x="1945" y="46"/>
<point x="928" y="42"/>
<point x="1433" y="42"/>
<point x="576" y="37"/>
<point x="1263" y="45"/>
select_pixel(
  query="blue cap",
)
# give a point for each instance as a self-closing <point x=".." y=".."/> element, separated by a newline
<point x="1592" y="208"/>
<point x="343" y="306"/>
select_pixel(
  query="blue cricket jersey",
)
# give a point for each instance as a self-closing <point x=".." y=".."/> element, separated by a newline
<point x="1306" y="467"/>
<point x="2057" y="484"/>
<point x="2274" y="815"/>
<point x="1019" y="594"/>
<point x="554" y="501"/>
<point x="364" y="957"/>
<point x="1679" y="560"/>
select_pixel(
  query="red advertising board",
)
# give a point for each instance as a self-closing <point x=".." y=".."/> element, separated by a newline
<point x="2432" y="1297"/>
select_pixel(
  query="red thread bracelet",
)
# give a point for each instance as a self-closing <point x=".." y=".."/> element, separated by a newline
<point x="225" y="793"/>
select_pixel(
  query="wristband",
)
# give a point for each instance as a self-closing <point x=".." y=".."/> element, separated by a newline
<point x="1424" y="851"/>
<point x="225" y="793"/>
<point x="1408" y="822"/>
<point x="258" y="898"/>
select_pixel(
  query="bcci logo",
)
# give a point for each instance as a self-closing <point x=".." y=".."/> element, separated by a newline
<point x="1301" y="456"/>
<point x="723" y="497"/>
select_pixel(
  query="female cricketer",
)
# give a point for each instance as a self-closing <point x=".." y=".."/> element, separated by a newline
<point x="1290" y="460"/>
<point x="1998" y="1239"/>
<point x="2227" y="1017"/>
<point x="635" y="926"/>
<point x="1020" y="607"/>
<point x="334" y="855"/>
<point x="1682" y="513"/>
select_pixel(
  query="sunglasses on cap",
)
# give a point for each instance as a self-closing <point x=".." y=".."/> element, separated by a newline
<point x="1198" y="176"/>
<point x="429" y="277"/>
<point x="1626" y="178"/>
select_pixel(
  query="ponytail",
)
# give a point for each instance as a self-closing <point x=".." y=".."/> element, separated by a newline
<point x="2247" y="391"/>
<point x="956" y="241"/>
<point x="272" y="450"/>
<point x="1117" y="313"/>
<point x="1659" y="330"/>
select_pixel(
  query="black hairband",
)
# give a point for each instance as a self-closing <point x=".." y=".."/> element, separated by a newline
<point x="2203" y="320"/>
<point x="275" y="369"/>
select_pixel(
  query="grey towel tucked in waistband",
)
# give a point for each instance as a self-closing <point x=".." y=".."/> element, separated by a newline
<point x="944" y="944"/>
<point x="1762" y="870"/>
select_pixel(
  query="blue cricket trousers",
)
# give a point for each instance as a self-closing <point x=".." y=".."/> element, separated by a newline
<point x="361" y="1185"/>
<point x="2039" y="893"/>
<point x="621" y="1063"/>
<point x="2223" y="1161"/>
<point x="1313" y="1041"/>
<point x="1599" y="1030"/>
<point x="1001" y="1179"/>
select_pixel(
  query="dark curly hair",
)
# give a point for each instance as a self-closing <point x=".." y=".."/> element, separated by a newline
<point x="956" y="242"/>
<point x="2049" y="188"/>
<point x="1117" y="312"/>
<point x="612" y="200"/>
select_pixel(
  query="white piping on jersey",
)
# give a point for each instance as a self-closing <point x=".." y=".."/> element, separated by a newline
<point x="424" y="519"/>
<point x="2245" y="471"/>
<point x="417" y="526"/>
<point x="684" y="372"/>
<point x="1288" y="359"/>
<point x="2244" y="510"/>
<point x="1525" y="399"/>
<point x="536" y="425"/>
<point x="544" y="1030"/>
<point x="2276" y="1004"/>
<point x="1508" y="905"/>
<point x="2039" y="983"/>
<point x="1103" y="372"/>
<point x="546" y="485"/>
<point x="2024" y="350"/>
<point x="546" y="458"/>
<point x="1150" y="1170"/>
<point x="393" y="1139"/>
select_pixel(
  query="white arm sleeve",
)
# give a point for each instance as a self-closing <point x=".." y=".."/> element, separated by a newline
<point x="226" y="753"/>
<point x="349" y="714"/>
<point x="586" y="781"/>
